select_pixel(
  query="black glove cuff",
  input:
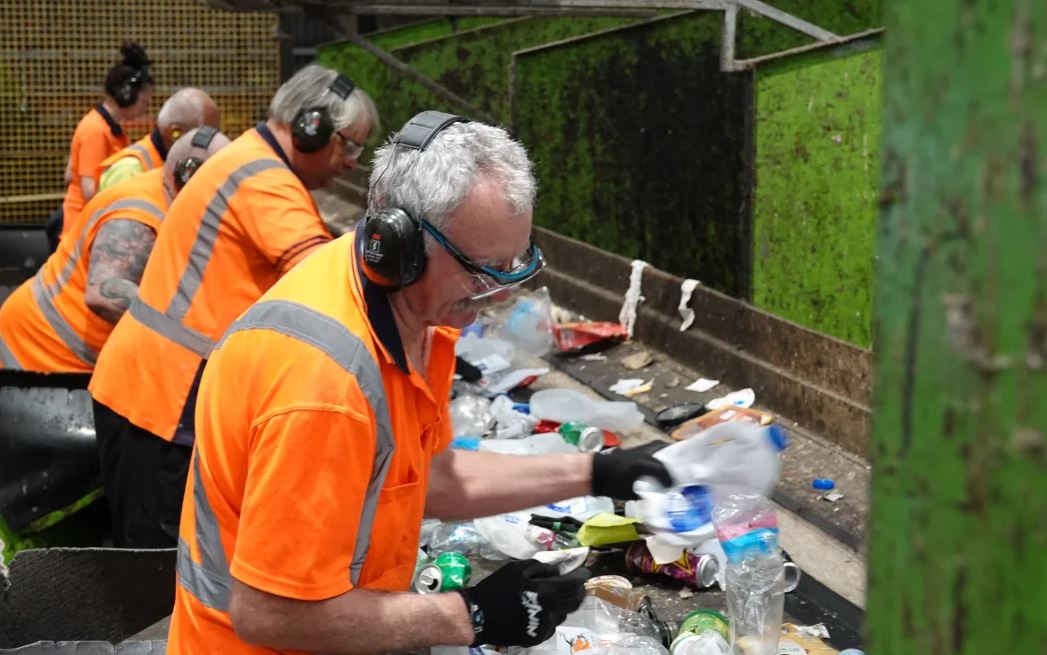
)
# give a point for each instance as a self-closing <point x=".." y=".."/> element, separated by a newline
<point x="603" y="475"/>
<point x="476" y="615"/>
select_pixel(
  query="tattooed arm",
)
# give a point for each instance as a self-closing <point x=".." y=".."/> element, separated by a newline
<point x="118" y="257"/>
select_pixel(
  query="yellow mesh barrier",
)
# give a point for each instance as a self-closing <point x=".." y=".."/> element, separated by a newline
<point x="54" y="56"/>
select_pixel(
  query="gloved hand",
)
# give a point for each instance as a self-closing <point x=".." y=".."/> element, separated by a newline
<point x="521" y="603"/>
<point x="615" y="472"/>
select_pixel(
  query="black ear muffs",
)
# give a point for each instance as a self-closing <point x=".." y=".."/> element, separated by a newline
<point x="391" y="243"/>
<point x="391" y="249"/>
<point x="127" y="93"/>
<point x="312" y="127"/>
<point x="186" y="168"/>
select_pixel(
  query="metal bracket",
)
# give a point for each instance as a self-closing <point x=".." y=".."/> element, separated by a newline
<point x="342" y="16"/>
<point x="345" y="24"/>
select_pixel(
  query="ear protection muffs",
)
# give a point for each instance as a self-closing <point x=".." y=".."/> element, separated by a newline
<point x="127" y="93"/>
<point x="312" y="127"/>
<point x="391" y="244"/>
<point x="186" y="168"/>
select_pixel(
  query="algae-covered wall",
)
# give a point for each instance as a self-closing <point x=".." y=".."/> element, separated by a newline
<point x="647" y="157"/>
<point x="817" y="134"/>
<point x="474" y="63"/>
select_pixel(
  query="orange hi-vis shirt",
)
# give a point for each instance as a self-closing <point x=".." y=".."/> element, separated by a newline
<point x="146" y="150"/>
<point x="242" y="221"/>
<point x="96" y="137"/>
<point x="45" y="325"/>
<point x="314" y="440"/>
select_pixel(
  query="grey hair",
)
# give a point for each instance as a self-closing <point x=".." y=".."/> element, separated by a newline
<point x="185" y="107"/>
<point x="310" y="87"/>
<point x="433" y="183"/>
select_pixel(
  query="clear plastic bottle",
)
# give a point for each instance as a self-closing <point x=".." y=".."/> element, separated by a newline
<point x="747" y="528"/>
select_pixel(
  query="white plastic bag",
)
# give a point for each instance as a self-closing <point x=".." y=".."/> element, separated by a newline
<point x="509" y="423"/>
<point x="512" y="533"/>
<point x="470" y="416"/>
<point x="600" y="628"/>
<point x="527" y="324"/>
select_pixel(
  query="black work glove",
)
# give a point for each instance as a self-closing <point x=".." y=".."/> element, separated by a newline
<point x="521" y="603"/>
<point x="615" y="472"/>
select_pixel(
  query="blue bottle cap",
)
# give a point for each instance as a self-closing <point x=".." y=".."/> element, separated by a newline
<point x="779" y="437"/>
<point x="466" y="443"/>
<point x="824" y="484"/>
<point x="852" y="651"/>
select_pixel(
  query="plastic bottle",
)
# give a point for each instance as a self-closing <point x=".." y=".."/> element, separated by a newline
<point x="536" y="444"/>
<point x="747" y="528"/>
<point x="563" y="405"/>
<point x="730" y="458"/>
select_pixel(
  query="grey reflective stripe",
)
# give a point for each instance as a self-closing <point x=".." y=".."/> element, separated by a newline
<point x="166" y="326"/>
<point x="207" y="233"/>
<point x="348" y="351"/>
<point x="72" y="340"/>
<point x="70" y="264"/>
<point x="7" y="358"/>
<point x="209" y="580"/>
<point x="142" y="150"/>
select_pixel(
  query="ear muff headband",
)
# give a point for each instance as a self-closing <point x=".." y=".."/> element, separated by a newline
<point x="312" y="127"/>
<point x="186" y="168"/>
<point x="390" y="245"/>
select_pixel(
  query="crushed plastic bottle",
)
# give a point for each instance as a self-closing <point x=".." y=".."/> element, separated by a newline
<point x="563" y="405"/>
<point x="747" y="527"/>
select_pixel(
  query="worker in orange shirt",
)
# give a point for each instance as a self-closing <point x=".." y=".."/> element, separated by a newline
<point x="241" y="223"/>
<point x="184" y="110"/>
<point x="323" y="427"/>
<point x="128" y="92"/>
<point x="58" y="321"/>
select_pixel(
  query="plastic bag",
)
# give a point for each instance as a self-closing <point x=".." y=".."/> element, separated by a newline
<point x="512" y="533"/>
<point x="469" y="415"/>
<point x="598" y="627"/>
<point x="527" y="324"/>
<point x="509" y="423"/>
<point x="538" y="444"/>
<point x="462" y="538"/>
<point x="485" y="353"/>
<point x="562" y="405"/>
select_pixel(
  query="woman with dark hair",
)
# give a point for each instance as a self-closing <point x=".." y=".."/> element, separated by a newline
<point x="128" y="90"/>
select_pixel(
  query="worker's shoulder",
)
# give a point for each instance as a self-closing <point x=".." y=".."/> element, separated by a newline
<point x="248" y="163"/>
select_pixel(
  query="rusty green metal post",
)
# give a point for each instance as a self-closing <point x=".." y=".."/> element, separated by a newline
<point x="958" y="553"/>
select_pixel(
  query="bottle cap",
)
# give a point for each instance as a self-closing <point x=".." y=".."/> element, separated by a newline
<point x="824" y="484"/>
<point x="779" y="437"/>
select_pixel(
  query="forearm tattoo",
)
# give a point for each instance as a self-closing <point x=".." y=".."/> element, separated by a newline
<point x="118" y="257"/>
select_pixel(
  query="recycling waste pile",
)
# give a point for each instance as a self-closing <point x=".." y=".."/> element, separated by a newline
<point x="714" y="531"/>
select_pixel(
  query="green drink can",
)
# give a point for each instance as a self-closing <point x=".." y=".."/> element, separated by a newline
<point x="450" y="571"/>
<point x="701" y="620"/>
<point x="587" y="438"/>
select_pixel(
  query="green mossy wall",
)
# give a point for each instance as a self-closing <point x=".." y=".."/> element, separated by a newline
<point x="647" y="158"/>
<point x="817" y="134"/>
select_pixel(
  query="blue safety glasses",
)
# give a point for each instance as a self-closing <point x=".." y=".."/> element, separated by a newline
<point x="520" y="270"/>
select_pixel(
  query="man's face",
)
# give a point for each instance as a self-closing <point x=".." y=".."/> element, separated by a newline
<point x="488" y="232"/>
<point x="319" y="169"/>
